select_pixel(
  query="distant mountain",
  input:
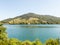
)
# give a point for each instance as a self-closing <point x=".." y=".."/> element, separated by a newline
<point x="32" y="18"/>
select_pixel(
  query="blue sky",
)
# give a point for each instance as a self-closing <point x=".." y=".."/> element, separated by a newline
<point x="12" y="8"/>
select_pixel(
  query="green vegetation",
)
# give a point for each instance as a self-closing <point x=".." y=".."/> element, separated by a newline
<point x="52" y="42"/>
<point x="32" y="18"/>
<point x="4" y="40"/>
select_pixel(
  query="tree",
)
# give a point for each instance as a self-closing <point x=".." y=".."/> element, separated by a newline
<point x="51" y="42"/>
<point x="14" y="41"/>
<point x="37" y="42"/>
<point x="27" y="42"/>
<point x="3" y="36"/>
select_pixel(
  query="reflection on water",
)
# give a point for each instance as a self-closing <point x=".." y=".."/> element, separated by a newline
<point x="39" y="26"/>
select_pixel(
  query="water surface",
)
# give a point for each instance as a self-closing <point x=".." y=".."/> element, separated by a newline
<point x="33" y="32"/>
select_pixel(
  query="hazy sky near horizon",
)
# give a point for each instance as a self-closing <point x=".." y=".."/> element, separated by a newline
<point x="13" y="8"/>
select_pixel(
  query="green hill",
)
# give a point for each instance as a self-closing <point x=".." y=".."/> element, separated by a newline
<point x="32" y="18"/>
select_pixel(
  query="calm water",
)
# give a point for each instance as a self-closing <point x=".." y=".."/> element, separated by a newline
<point x="33" y="32"/>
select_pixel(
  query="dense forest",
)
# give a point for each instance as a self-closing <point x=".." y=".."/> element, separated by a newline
<point x="4" y="40"/>
<point x="32" y="18"/>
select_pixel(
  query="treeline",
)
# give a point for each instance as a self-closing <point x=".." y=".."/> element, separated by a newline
<point x="4" y="40"/>
<point x="27" y="42"/>
<point x="32" y="18"/>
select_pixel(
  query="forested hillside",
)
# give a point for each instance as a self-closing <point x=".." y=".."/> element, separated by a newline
<point x="32" y="18"/>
